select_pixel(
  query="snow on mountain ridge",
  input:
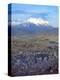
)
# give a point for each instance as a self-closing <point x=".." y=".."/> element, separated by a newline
<point x="38" y="21"/>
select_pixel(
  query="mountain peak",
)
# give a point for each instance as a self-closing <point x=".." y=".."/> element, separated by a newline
<point x="38" y="21"/>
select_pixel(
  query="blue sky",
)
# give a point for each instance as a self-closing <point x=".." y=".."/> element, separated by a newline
<point x="25" y="11"/>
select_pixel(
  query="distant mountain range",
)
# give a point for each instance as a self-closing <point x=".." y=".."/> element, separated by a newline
<point x="33" y="27"/>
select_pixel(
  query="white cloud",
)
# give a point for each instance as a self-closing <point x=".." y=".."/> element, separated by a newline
<point x="13" y="23"/>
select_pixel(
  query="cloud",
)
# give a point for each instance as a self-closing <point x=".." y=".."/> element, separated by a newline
<point x="28" y="12"/>
<point x="13" y="23"/>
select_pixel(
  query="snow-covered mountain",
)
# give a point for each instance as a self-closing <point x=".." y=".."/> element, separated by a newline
<point x="38" y="21"/>
<point x="32" y="26"/>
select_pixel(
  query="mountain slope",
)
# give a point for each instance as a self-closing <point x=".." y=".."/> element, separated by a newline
<point x="33" y="26"/>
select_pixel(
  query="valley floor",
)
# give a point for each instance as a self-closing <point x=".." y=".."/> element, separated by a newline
<point x="34" y="56"/>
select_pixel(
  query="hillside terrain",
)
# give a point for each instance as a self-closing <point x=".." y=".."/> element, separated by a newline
<point x="34" y="49"/>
